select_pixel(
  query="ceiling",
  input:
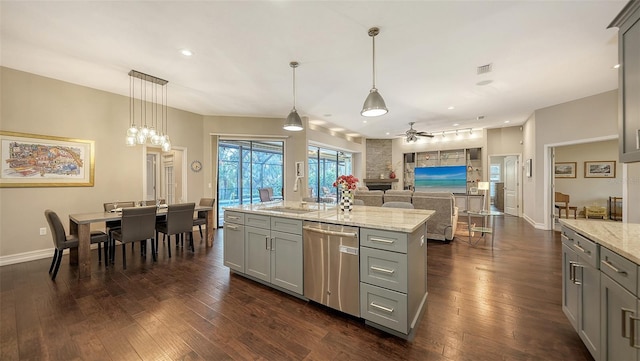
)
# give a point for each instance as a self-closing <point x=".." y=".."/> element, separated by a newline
<point x="427" y="53"/>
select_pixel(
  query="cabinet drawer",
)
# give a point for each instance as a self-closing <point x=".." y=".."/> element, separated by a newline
<point x="586" y="250"/>
<point x="234" y="217"/>
<point x="383" y="268"/>
<point x="286" y="225"/>
<point x="387" y="240"/>
<point x="257" y="220"/>
<point x="619" y="269"/>
<point x="384" y="307"/>
<point x="567" y="236"/>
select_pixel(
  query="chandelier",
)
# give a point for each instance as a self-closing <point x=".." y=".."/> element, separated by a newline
<point x="153" y="117"/>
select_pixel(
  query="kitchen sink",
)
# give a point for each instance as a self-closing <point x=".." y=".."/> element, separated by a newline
<point x="289" y="209"/>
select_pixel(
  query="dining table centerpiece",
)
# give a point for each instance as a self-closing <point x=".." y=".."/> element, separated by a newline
<point x="346" y="184"/>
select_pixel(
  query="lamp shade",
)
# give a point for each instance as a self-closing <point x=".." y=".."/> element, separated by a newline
<point x="484" y="186"/>
<point x="374" y="104"/>
<point x="293" y="122"/>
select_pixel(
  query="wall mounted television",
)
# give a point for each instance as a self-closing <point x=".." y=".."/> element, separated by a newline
<point x="441" y="179"/>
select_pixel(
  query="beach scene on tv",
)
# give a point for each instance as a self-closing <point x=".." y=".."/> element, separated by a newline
<point x="441" y="179"/>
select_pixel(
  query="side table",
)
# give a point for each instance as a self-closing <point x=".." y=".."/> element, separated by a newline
<point x="487" y="225"/>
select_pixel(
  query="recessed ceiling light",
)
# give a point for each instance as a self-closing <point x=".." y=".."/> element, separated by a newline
<point x="455" y="124"/>
<point x="507" y="121"/>
<point x="186" y="52"/>
<point x="615" y="66"/>
<point x="484" y="82"/>
<point x="364" y="121"/>
<point x="451" y="107"/>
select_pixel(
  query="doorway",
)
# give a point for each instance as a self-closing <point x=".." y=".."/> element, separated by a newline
<point x="165" y="175"/>
<point x="505" y="183"/>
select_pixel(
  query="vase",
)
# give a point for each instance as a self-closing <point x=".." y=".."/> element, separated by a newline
<point x="392" y="175"/>
<point x="346" y="200"/>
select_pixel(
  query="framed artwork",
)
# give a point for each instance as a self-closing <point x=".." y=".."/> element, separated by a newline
<point x="31" y="160"/>
<point x="600" y="169"/>
<point x="528" y="168"/>
<point x="565" y="170"/>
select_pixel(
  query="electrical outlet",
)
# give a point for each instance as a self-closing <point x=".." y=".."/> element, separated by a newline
<point x="43" y="231"/>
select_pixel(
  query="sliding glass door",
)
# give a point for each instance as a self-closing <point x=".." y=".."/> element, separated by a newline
<point x="325" y="165"/>
<point x="243" y="167"/>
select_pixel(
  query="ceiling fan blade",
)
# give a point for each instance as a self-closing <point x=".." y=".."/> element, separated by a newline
<point x="424" y="134"/>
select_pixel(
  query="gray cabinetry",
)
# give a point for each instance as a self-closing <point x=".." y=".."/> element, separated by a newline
<point x="628" y="22"/>
<point x="469" y="202"/>
<point x="393" y="286"/>
<point x="619" y="309"/>
<point x="234" y="241"/>
<point x="273" y="251"/>
<point x="581" y="288"/>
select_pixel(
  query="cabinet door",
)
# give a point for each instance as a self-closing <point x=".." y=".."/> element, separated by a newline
<point x="257" y="252"/>
<point x="234" y="246"/>
<point x="617" y="306"/>
<point x="629" y="54"/>
<point x="286" y="261"/>
<point x="569" y="288"/>
<point x="461" y="203"/>
<point x="589" y="307"/>
<point x="475" y="203"/>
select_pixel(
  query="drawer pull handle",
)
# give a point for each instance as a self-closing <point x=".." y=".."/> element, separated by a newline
<point x="382" y="240"/>
<point x="623" y="312"/>
<point x="383" y="270"/>
<point x="614" y="268"/>
<point x="386" y="309"/>
<point x="233" y="217"/>
<point x="231" y="227"/>
<point x="582" y="249"/>
<point x="632" y="333"/>
<point x="573" y="266"/>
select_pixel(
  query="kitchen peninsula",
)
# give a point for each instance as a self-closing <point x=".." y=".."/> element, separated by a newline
<point x="370" y="262"/>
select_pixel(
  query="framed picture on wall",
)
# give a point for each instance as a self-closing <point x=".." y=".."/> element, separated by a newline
<point x="565" y="170"/>
<point x="600" y="169"/>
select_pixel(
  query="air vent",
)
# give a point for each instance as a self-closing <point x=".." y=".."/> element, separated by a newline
<point x="483" y="69"/>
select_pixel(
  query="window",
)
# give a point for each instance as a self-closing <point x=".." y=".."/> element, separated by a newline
<point x="243" y="167"/>
<point x="325" y="165"/>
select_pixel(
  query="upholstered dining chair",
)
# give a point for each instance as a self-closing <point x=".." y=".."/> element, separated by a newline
<point x="112" y="225"/>
<point x="179" y="221"/>
<point x="138" y="224"/>
<point x="153" y="202"/>
<point x="62" y="241"/>
<point x="266" y="194"/>
<point x="201" y="219"/>
<point x="405" y="205"/>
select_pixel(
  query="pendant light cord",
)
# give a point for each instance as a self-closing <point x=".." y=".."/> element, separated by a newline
<point x="373" y="37"/>
<point x="294" y="86"/>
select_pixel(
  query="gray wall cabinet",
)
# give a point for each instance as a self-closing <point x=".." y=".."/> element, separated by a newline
<point x="234" y="241"/>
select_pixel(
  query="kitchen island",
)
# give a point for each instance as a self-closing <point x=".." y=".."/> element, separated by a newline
<point x="284" y="244"/>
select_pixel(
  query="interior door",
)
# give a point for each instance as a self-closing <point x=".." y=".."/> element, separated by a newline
<point x="152" y="176"/>
<point x="511" y="185"/>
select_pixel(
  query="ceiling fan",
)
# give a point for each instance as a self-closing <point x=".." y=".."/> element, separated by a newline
<point x="412" y="134"/>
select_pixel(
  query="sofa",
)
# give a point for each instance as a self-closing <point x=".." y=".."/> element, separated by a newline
<point x="442" y="225"/>
<point x="370" y="198"/>
<point x="392" y="195"/>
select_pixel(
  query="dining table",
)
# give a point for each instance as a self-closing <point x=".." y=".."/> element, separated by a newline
<point x="80" y="225"/>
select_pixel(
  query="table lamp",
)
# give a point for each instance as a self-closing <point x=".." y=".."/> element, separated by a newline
<point x="484" y="186"/>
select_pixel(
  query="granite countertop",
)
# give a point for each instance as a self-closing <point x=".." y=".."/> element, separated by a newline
<point x="622" y="238"/>
<point x="391" y="219"/>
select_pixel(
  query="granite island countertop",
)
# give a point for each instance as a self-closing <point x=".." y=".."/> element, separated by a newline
<point x="622" y="238"/>
<point x="390" y="219"/>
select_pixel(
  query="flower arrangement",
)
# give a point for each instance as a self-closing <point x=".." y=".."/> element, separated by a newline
<point x="346" y="182"/>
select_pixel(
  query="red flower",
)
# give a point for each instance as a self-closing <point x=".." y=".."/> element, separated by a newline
<point x="346" y="182"/>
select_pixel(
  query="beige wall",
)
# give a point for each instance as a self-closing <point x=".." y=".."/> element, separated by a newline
<point x="39" y="105"/>
<point x="508" y="140"/>
<point x="589" y="191"/>
<point x="587" y="119"/>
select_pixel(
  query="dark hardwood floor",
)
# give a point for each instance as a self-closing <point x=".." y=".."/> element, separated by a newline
<point x="483" y="304"/>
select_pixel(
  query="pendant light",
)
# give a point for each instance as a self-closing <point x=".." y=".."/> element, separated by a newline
<point x="155" y="134"/>
<point x="293" y="122"/>
<point x="374" y="104"/>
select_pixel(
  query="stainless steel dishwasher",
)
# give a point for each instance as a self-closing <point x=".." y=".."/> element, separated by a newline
<point x="332" y="266"/>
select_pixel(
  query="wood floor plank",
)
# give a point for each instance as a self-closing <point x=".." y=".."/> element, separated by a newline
<point x="483" y="304"/>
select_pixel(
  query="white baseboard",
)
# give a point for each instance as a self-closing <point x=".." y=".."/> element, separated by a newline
<point x="533" y="223"/>
<point x="26" y="257"/>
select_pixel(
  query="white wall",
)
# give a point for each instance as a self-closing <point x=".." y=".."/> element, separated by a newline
<point x="589" y="191"/>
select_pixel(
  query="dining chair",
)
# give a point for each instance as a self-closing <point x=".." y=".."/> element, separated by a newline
<point x="179" y="221"/>
<point x="266" y="194"/>
<point x="153" y="202"/>
<point x="62" y="241"/>
<point x="201" y="219"/>
<point x="138" y="224"/>
<point x="110" y="206"/>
